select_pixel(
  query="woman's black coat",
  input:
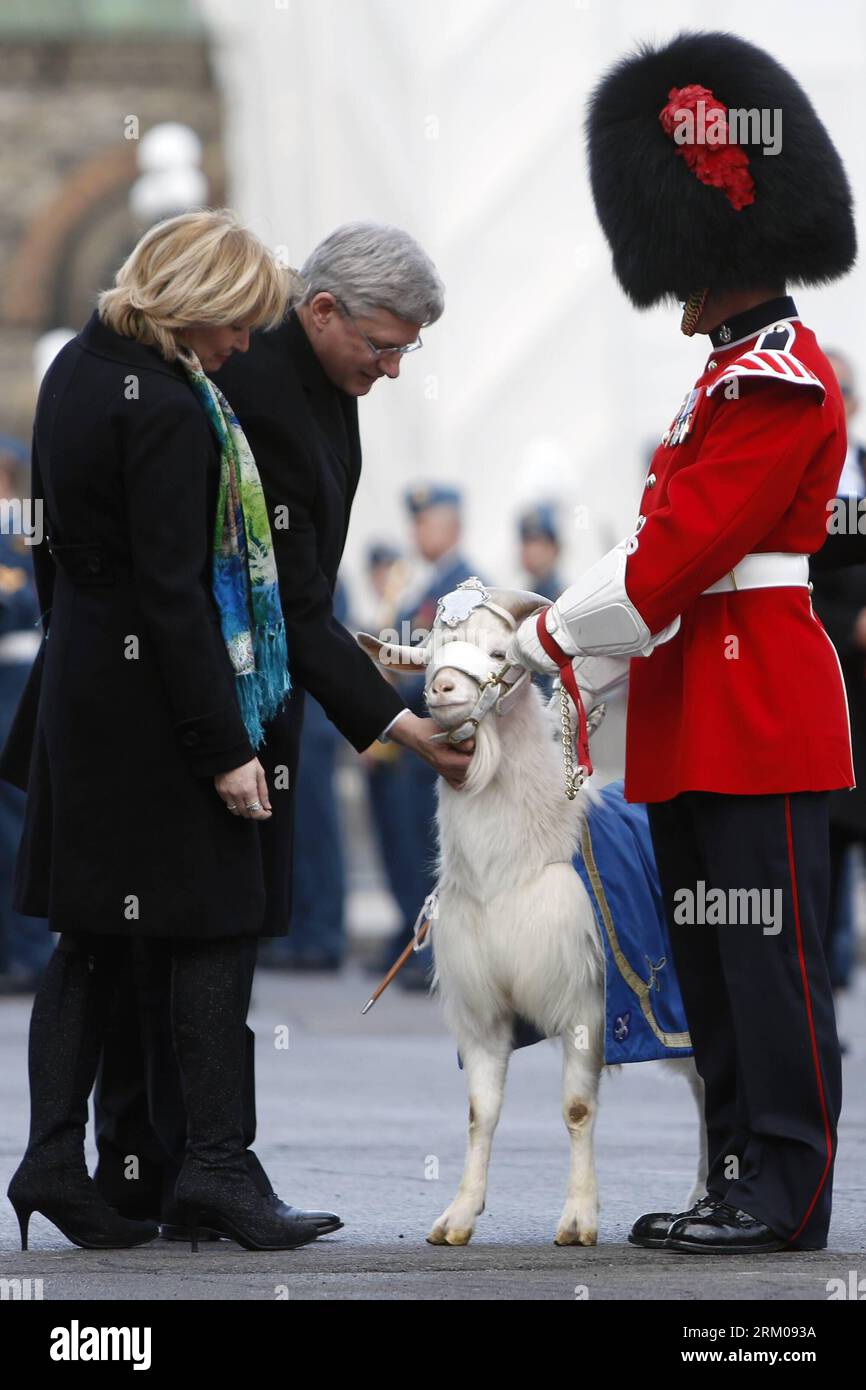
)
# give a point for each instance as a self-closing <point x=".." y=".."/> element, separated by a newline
<point x="136" y="709"/>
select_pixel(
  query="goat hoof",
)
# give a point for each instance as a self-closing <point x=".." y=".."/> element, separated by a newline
<point x="459" y="1237"/>
<point x="570" y="1236"/>
<point x="444" y="1235"/>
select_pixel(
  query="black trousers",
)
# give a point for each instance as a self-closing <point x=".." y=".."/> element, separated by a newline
<point x="757" y="996"/>
<point x="138" y="1101"/>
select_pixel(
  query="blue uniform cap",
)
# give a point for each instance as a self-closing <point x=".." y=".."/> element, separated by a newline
<point x="381" y="554"/>
<point x="538" y="521"/>
<point x="418" y="499"/>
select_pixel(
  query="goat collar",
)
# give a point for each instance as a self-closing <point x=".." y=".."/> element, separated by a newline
<point x="452" y="610"/>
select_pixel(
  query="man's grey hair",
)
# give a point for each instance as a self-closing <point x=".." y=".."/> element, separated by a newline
<point x="369" y="266"/>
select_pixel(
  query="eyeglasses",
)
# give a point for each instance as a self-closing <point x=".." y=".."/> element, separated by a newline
<point x="380" y="351"/>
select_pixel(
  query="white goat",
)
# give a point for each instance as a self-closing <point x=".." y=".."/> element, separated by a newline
<point x="515" y="932"/>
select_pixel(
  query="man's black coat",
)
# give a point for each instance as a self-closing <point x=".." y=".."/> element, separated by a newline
<point x="303" y="432"/>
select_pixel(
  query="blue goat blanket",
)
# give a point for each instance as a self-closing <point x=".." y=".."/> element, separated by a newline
<point x="644" y="1014"/>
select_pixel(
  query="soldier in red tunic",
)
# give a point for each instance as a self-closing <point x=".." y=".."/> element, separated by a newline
<point x="737" y="722"/>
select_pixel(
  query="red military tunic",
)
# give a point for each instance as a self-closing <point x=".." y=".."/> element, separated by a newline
<point x="748" y="696"/>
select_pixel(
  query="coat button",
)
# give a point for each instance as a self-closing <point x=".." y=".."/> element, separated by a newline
<point x="651" y="480"/>
<point x="631" y="545"/>
<point x="641" y="521"/>
<point x="190" y="738"/>
<point x="711" y="366"/>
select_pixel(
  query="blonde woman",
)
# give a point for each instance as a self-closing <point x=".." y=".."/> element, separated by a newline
<point x="164" y="656"/>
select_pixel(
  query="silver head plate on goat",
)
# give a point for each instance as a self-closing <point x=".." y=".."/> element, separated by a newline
<point x="439" y="650"/>
<point x="458" y="606"/>
<point x="511" y="604"/>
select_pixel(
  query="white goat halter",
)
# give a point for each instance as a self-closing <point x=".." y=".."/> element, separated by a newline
<point x="452" y="610"/>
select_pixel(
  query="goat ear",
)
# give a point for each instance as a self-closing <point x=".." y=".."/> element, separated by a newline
<point x="393" y="656"/>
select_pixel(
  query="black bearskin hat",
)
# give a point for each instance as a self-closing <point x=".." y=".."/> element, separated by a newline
<point x="747" y="219"/>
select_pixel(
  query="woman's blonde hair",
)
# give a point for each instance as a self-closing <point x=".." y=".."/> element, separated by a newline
<point x="199" y="268"/>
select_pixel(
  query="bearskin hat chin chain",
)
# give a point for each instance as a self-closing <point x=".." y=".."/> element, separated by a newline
<point x="711" y="169"/>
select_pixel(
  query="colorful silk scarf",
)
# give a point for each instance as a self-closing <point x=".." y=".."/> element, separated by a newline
<point x="245" y="583"/>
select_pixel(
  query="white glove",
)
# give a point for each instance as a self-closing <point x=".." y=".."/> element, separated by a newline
<point x="525" y="650"/>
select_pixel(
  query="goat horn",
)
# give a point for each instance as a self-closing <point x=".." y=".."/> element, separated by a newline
<point x="520" y="603"/>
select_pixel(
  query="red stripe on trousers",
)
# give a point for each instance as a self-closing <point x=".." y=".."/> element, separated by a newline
<point x="808" y="998"/>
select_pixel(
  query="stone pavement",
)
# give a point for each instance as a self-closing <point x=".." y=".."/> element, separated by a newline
<point x="367" y="1117"/>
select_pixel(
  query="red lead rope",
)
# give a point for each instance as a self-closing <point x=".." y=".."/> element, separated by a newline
<point x="566" y="675"/>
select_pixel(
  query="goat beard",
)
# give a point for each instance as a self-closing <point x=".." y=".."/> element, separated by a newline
<point x="484" y="763"/>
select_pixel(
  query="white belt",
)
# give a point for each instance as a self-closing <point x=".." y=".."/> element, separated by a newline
<point x="18" y="647"/>
<point x="771" y="570"/>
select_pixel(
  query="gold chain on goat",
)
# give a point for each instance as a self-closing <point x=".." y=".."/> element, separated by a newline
<point x="572" y="783"/>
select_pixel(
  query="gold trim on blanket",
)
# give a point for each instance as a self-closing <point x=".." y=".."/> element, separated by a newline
<point x="640" y="987"/>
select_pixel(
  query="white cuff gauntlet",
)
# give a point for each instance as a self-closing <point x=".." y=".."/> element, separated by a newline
<point x="596" y="617"/>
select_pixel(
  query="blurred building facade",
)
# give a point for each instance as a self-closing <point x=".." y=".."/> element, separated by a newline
<point x="79" y="82"/>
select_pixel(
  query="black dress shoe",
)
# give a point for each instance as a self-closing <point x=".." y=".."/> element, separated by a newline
<point x="724" y="1231"/>
<point x="326" y="1221"/>
<point x="652" y="1229"/>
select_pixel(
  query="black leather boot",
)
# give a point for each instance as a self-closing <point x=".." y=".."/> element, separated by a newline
<point x="65" y="1040"/>
<point x="652" y="1229"/>
<point x="211" y="984"/>
<point x="726" y="1230"/>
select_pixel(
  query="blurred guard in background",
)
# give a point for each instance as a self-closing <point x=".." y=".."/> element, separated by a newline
<point x="839" y="599"/>
<point x="25" y="945"/>
<point x="539" y="556"/>
<point x="388" y="577"/>
<point x="539" y="550"/>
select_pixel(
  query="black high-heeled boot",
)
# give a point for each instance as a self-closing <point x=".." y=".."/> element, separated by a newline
<point x="211" y="982"/>
<point x="65" y="1041"/>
